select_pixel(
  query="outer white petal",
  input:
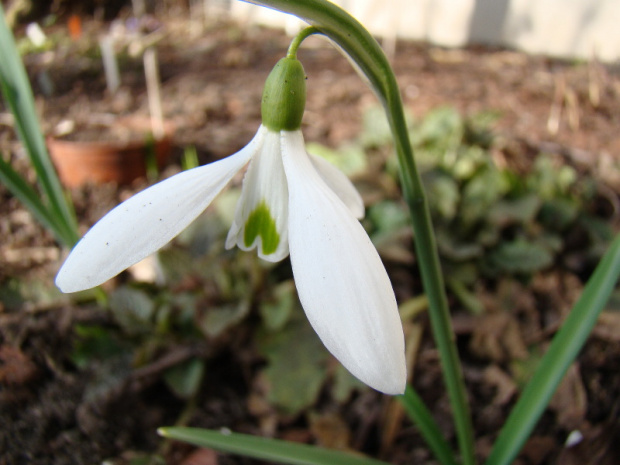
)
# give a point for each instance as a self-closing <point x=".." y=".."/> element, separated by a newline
<point x="342" y="283"/>
<point x="263" y="204"/>
<point x="340" y="184"/>
<point x="147" y="221"/>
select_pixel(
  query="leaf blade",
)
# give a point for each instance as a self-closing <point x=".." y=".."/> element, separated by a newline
<point x="275" y="450"/>
<point x="18" y="95"/>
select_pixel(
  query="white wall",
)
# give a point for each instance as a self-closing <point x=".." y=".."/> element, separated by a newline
<point x="561" y="28"/>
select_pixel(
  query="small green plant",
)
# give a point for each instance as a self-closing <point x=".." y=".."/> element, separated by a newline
<point x="52" y="207"/>
<point x="489" y="222"/>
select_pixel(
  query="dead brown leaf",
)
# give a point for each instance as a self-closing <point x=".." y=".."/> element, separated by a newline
<point x="570" y="401"/>
<point x="537" y="449"/>
<point x="608" y="327"/>
<point x="394" y="412"/>
<point x="505" y="385"/>
<point x="497" y="337"/>
<point x="330" y="431"/>
<point x="201" y="457"/>
<point x="16" y="367"/>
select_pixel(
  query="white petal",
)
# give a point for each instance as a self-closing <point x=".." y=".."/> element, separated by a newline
<point x="147" y="221"/>
<point x="337" y="181"/>
<point x="342" y="283"/>
<point x="261" y="218"/>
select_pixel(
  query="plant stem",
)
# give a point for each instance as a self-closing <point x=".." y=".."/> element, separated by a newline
<point x="441" y="325"/>
<point x="368" y="56"/>
<point x="298" y="39"/>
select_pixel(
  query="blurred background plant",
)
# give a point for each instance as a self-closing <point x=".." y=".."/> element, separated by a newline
<point x="53" y="209"/>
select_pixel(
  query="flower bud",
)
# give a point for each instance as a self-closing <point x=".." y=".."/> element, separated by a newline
<point x="284" y="97"/>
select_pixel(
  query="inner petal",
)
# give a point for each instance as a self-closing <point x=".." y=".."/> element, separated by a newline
<point x="261" y="217"/>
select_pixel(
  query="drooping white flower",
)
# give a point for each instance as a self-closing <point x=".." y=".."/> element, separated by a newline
<point x="291" y="202"/>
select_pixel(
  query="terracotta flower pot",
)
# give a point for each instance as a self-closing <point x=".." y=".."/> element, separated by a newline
<point x="81" y="162"/>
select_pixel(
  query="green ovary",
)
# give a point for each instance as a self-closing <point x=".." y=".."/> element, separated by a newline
<point x="261" y="223"/>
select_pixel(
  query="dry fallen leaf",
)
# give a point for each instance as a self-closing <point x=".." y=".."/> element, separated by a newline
<point x="15" y="366"/>
<point x="497" y="337"/>
<point x="570" y="401"/>
<point x="201" y="457"/>
<point x="330" y="431"/>
<point x="608" y="327"/>
<point x="505" y="385"/>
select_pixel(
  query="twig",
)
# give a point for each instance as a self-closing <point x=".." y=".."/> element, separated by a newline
<point x="153" y="91"/>
<point x="110" y="66"/>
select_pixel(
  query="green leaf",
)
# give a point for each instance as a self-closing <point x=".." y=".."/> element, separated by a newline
<point x="453" y="248"/>
<point x="520" y="256"/>
<point x="31" y="199"/>
<point x="185" y="378"/>
<point x="477" y="128"/>
<point x="429" y="429"/>
<point x="140" y="458"/>
<point x="273" y="450"/>
<point x="523" y="370"/>
<point x="224" y="316"/>
<point x="296" y="366"/>
<point x="521" y="210"/>
<point x="175" y="264"/>
<point x="443" y="193"/>
<point x="549" y="180"/>
<point x="558" y="214"/>
<point x="442" y="127"/>
<point x="94" y="342"/>
<point x="468" y="299"/>
<point x="376" y="130"/>
<point x="276" y="312"/>
<point x="15" y="292"/>
<point x="18" y="96"/>
<point x="469" y="160"/>
<point x="133" y="310"/>
<point x="388" y="216"/>
<point x="480" y="193"/>
<point x="350" y="159"/>
<point x="344" y="384"/>
<point x="205" y="235"/>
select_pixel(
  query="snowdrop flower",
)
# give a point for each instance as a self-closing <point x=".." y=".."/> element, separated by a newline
<point x="290" y="201"/>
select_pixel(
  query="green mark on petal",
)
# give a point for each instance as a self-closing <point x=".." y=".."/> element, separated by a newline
<point x="261" y="223"/>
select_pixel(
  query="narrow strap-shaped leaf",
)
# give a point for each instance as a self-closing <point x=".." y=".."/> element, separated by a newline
<point x="27" y="195"/>
<point x="416" y="408"/>
<point x="275" y="450"/>
<point x="18" y="95"/>
<point x="561" y="353"/>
